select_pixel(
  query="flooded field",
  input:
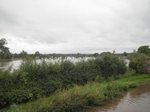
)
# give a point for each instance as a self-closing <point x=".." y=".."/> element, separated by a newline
<point x="6" y="64"/>
<point x="15" y="63"/>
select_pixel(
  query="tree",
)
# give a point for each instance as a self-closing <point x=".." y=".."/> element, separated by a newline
<point x="37" y="53"/>
<point x="125" y="54"/>
<point x="4" y="51"/>
<point x="3" y="48"/>
<point x="144" y="50"/>
<point x="105" y="53"/>
<point x="23" y="53"/>
<point x="113" y="51"/>
<point x="95" y="54"/>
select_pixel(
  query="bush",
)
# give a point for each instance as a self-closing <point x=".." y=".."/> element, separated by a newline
<point x="136" y="61"/>
<point x="34" y="80"/>
<point x="109" y="66"/>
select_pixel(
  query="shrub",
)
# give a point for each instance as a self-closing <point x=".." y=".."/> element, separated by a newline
<point x="34" y="80"/>
<point x="136" y="61"/>
<point x="110" y="66"/>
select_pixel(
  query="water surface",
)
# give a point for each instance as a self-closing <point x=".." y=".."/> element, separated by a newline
<point x="135" y="100"/>
<point x="15" y="63"/>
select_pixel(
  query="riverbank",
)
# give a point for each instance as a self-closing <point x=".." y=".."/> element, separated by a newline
<point x="81" y="97"/>
<point x="5" y="60"/>
<point x="133" y="100"/>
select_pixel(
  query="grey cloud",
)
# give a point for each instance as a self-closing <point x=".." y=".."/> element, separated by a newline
<point x="6" y="17"/>
<point x="7" y="21"/>
<point x="77" y="26"/>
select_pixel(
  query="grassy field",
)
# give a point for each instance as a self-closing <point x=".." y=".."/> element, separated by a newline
<point x="80" y="97"/>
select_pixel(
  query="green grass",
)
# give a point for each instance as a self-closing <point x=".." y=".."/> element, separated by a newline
<point x="80" y="97"/>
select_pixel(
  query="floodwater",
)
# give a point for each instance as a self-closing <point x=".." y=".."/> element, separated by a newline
<point x="15" y="63"/>
<point x="135" y="100"/>
<point x="6" y="64"/>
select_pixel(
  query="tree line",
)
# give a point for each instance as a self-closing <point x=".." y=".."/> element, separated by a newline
<point x="6" y="54"/>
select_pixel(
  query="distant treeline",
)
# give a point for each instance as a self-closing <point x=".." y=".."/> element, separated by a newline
<point x="6" y="54"/>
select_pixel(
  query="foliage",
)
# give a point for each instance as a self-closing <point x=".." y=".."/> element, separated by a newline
<point x="37" y="79"/>
<point x="23" y="54"/>
<point x="110" y="66"/>
<point x="138" y="63"/>
<point x="3" y="48"/>
<point x="37" y="54"/>
<point x="4" y="51"/>
<point x="95" y="54"/>
<point x="136" y="60"/>
<point x="105" y="53"/>
<point x="144" y="49"/>
<point x="125" y="53"/>
<point x="80" y="97"/>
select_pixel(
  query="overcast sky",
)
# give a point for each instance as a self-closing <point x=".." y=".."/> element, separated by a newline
<point x="75" y="26"/>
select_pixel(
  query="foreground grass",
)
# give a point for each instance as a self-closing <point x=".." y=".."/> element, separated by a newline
<point x="80" y="97"/>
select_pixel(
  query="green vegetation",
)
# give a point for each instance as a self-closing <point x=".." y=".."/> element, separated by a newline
<point x="79" y="97"/>
<point x="67" y="86"/>
<point x="144" y="49"/>
<point x="4" y="51"/>
<point x="34" y="80"/>
<point x="136" y="59"/>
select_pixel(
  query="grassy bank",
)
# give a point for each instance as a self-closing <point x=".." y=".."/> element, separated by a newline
<point x="79" y="97"/>
<point x="4" y="60"/>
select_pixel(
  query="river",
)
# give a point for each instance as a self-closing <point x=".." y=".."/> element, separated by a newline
<point x="134" y="100"/>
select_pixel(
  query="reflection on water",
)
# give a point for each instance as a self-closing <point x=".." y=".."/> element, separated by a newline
<point x="135" y="100"/>
<point x="15" y="63"/>
<point x="6" y="64"/>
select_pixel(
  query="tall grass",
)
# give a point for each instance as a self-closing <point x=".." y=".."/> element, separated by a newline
<point x="80" y="97"/>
